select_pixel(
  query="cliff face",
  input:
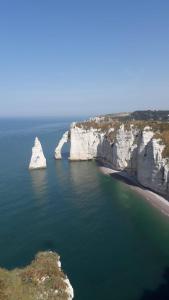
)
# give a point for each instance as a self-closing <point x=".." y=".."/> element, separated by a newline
<point x="84" y="143"/>
<point x="152" y="168"/>
<point x="134" y="148"/>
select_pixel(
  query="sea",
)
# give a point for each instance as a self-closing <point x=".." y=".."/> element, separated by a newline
<point x="113" y="244"/>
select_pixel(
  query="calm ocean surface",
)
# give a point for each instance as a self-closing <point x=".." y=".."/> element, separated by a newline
<point x="113" y="244"/>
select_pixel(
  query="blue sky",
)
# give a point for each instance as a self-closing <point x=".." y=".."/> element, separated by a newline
<point x="83" y="57"/>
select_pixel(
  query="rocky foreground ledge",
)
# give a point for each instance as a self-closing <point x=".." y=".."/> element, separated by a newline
<point x="43" y="279"/>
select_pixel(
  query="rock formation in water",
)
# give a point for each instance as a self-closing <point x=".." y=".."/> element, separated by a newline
<point x="63" y="140"/>
<point x="42" y="279"/>
<point x="38" y="160"/>
<point x="140" y="147"/>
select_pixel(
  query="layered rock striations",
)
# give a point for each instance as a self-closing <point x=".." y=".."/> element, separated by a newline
<point x="141" y="148"/>
<point x="38" y="160"/>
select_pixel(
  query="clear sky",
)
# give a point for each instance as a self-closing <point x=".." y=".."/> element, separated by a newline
<point x="77" y="57"/>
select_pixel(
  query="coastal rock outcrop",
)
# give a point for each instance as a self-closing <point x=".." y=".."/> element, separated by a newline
<point x="141" y="148"/>
<point x="152" y="168"/>
<point x="42" y="279"/>
<point x="38" y="160"/>
<point x="63" y="140"/>
<point x="84" y="143"/>
<point x="91" y="143"/>
<point x="120" y="151"/>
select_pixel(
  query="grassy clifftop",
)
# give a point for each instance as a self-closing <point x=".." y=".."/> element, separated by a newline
<point x="105" y="123"/>
<point x="42" y="279"/>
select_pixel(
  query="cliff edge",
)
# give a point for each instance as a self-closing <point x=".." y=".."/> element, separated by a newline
<point x="42" y="279"/>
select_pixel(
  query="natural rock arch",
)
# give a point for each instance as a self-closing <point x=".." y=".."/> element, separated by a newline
<point x="63" y="140"/>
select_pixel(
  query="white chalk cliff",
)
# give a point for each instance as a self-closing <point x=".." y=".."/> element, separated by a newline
<point x="84" y="143"/>
<point x="136" y="150"/>
<point x="69" y="289"/>
<point x="152" y="168"/>
<point x="63" y="140"/>
<point x="38" y="160"/>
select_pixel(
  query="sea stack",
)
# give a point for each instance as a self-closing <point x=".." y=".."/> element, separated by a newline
<point x="38" y="160"/>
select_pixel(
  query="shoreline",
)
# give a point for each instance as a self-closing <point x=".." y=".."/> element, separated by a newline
<point x="153" y="198"/>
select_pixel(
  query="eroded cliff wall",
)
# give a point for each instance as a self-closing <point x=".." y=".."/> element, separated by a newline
<point x="134" y="147"/>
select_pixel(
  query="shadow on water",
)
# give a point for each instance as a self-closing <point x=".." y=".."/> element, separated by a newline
<point x="48" y="245"/>
<point x="65" y="150"/>
<point x="123" y="179"/>
<point x="162" y="292"/>
<point x="131" y="181"/>
<point x="120" y="175"/>
<point x="65" y="155"/>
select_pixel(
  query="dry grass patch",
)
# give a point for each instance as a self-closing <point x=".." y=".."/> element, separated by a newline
<point x="42" y="279"/>
<point x="161" y="129"/>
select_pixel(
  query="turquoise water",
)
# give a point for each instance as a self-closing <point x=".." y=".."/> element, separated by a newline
<point x="113" y="244"/>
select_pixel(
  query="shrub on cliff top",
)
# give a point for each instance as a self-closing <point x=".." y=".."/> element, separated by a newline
<point x="42" y="279"/>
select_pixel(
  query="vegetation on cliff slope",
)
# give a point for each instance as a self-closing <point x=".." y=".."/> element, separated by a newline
<point x="143" y="115"/>
<point x="42" y="279"/>
<point x="105" y="124"/>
